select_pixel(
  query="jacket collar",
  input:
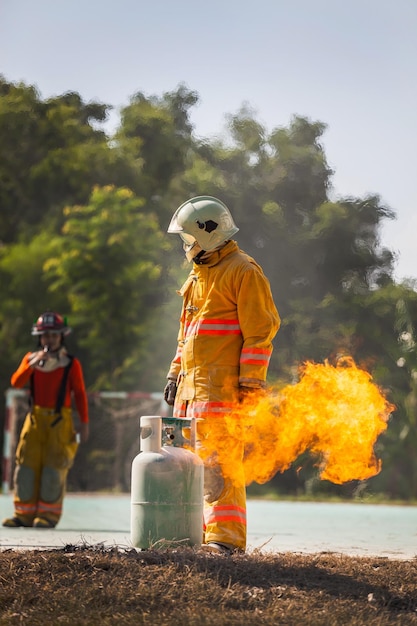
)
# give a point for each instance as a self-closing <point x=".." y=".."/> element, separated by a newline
<point x="218" y="255"/>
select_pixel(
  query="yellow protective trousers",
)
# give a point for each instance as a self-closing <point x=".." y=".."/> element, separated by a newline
<point x="224" y="483"/>
<point x="44" y="455"/>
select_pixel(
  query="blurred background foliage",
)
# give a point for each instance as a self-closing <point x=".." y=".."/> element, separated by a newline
<point x="83" y="219"/>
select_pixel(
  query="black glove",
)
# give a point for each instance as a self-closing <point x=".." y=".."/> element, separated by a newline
<point x="170" y="392"/>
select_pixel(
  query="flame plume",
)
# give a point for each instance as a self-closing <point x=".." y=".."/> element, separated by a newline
<point x="335" y="412"/>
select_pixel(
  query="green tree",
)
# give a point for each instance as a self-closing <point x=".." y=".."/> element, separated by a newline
<point x="332" y="280"/>
<point x="156" y="133"/>
<point x="52" y="152"/>
<point x="23" y="296"/>
<point x="317" y="253"/>
<point x="107" y="262"/>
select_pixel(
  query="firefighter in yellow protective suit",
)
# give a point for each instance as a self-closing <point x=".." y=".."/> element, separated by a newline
<point x="227" y="325"/>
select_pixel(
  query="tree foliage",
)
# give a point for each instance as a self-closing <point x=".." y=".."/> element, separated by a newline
<point x="106" y="262"/>
<point x="83" y="217"/>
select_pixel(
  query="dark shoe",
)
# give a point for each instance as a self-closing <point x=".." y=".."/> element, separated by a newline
<point x="12" y="522"/>
<point x="43" y="522"/>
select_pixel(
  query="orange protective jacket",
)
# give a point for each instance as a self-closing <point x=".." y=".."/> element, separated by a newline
<point x="227" y="325"/>
<point x="47" y="384"/>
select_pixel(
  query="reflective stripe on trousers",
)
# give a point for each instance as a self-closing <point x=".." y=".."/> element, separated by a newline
<point x="44" y="455"/>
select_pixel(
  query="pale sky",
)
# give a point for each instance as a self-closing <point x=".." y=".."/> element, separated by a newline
<point x="351" y="64"/>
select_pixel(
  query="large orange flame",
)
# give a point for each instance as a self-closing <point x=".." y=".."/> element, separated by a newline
<point x="335" y="412"/>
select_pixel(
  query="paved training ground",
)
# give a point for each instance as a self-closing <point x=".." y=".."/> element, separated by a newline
<point x="302" y="527"/>
<point x="88" y="519"/>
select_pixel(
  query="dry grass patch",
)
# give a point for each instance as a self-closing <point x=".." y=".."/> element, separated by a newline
<point x="94" y="585"/>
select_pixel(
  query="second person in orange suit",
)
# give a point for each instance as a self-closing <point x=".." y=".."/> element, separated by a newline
<point x="48" y="441"/>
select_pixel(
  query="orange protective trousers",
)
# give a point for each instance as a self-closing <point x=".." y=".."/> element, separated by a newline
<point x="224" y="484"/>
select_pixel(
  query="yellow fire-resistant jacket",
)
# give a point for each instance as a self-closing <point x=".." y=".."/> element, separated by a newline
<point x="227" y="325"/>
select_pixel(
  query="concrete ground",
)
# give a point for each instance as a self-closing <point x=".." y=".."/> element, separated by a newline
<point x="273" y="526"/>
<point x="87" y="519"/>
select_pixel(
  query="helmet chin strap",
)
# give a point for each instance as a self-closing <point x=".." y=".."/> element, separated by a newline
<point x="199" y="258"/>
<point x="196" y="255"/>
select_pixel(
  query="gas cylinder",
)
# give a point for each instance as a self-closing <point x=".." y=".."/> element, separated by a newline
<point x="166" y="487"/>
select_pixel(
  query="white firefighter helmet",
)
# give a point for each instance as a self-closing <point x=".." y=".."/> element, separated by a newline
<point x="205" y="220"/>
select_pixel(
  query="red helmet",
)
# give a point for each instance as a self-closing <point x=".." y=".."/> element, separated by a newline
<point x="50" y="322"/>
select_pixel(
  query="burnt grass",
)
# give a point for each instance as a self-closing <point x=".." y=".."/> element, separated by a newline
<point x="98" y="585"/>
